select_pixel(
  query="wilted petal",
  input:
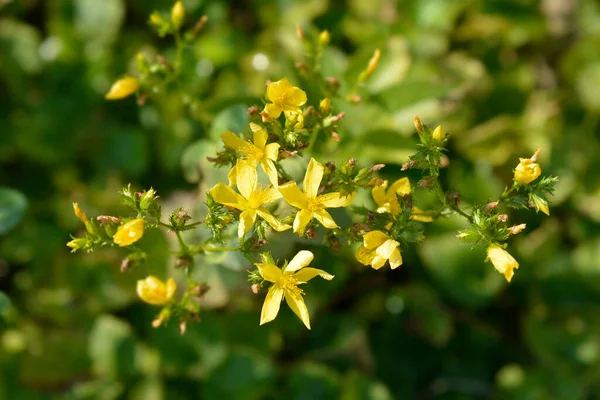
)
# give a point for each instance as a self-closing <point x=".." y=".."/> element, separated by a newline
<point x="271" y="305"/>
<point x="260" y="136"/>
<point x="300" y="260"/>
<point x="306" y="274"/>
<point x="247" y="219"/>
<point x="312" y="179"/>
<point x="293" y="195"/>
<point x="296" y="303"/>
<point x="302" y="219"/>
<point x="225" y="195"/>
<point x="333" y="200"/>
<point x="272" y="221"/>
<point x="325" y="219"/>
<point x="374" y="239"/>
<point x="246" y="179"/>
<point x="269" y="272"/>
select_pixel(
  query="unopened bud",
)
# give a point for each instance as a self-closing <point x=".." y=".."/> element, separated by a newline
<point x="182" y="326"/>
<point x="158" y="321"/>
<point x="108" y="219"/>
<point x="333" y="83"/>
<point x="253" y="110"/>
<point x="77" y="244"/>
<point x="376" y="182"/>
<point x="351" y="162"/>
<point x="516" y="229"/>
<point x="370" y="67"/>
<point x="335" y="136"/>
<point x="184" y="261"/>
<point x="338" y="117"/>
<point x="376" y="167"/>
<point x="200" y="24"/>
<point x="502" y="217"/>
<point x="418" y="124"/>
<point x="444" y="162"/>
<point x="177" y="14"/>
<point x="310" y="233"/>
<point x="439" y="134"/>
<point x="255" y="288"/>
<point x="79" y="213"/>
<point x="408" y="165"/>
<point x="354" y="99"/>
<point x="324" y="38"/>
<point x="299" y="32"/>
<point x="325" y="106"/>
<point x="288" y="154"/>
<point x="426" y="182"/>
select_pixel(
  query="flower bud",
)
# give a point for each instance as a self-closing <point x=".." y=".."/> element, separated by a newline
<point x="299" y="32"/>
<point x="371" y="66"/>
<point x="516" y="229"/>
<point x="418" y="124"/>
<point x="153" y="291"/>
<point x="129" y="232"/>
<point x="528" y="170"/>
<point x="325" y="106"/>
<point x="77" y="244"/>
<point x="502" y="261"/>
<point x="324" y="38"/>
<point x="122" y="88"/>
<point x="540" y="204"/>
<point x="79" y="213"/>
<point x="177" y="14"/>
<point x="439" y="134"/>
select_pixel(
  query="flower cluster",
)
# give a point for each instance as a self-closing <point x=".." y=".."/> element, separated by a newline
<point x="260" y="193"/>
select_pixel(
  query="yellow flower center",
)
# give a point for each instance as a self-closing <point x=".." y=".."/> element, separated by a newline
<point x="314" y="205"/>
<point x="252" y="153"/>
<point x="288" y="282"/>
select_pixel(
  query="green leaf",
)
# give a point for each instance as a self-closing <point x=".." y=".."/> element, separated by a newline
<point x="112" y="347"/>
<point x="12" y="208"/>
<point x="4" y="303"/>
<point x="234" y="118"/>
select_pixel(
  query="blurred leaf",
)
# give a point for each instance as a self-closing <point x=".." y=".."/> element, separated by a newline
<point x="112" y="347"/>
<point x="99" y="20"/>
<point x="4" y="303"/>
<point x="12" y="208"/>
<point x="233" y="118"/>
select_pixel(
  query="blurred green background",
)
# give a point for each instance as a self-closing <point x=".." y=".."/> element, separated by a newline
<point x="504" y="77"/>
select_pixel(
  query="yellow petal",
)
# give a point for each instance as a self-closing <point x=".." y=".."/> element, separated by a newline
<point x="273" y="110"/>
<point x="247" y="219"/>
<point x="502" y="261"/>
<point x="271" y="305"/>
<point x="401" y="187"/>
<point x="246" y="179"/>
<point x="312" y="179"/>
<point x="293" y="195"/>
<point x="418" y="215"/>
<point x="302" y="219"/>
<point x="272" y="151"/>
<point x="306" y="274"/>
<point x="297" y="96"/>
<point x="269" y="272"/>
<point x="276" y="90"/>
<point x="296" y="303"/>
<point x="269" y="195"/>
<point x="225" y="195"/>
<point x="527" y="171"/>
<point x="271" y="171"/>
<point x="153" y="291"/>
<point x="374" y="239"/>
<point x="378" y="262"/>
<point x="325" y="219"/>
<point x="387" y="248"/>
<point x="300" y="260"/>
<point x="333" y="200"/>
<point x="129" y="232"/>
<point x="232" y="176"/>
<point x="124" y="87"/>
<point x="234" y="142"/>
<point x="272" y="221"/>
<point x="171" y="287"/>
<point x="395" y="259"/>
<point x="379" y="194"/>
<point x="365" y="256"/>
<point x="260" y="135"/>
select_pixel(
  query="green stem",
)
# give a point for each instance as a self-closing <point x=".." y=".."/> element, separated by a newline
<point x="313" y="139"/>
<point x="182" y="244"/>
<point x="219" y="249"/>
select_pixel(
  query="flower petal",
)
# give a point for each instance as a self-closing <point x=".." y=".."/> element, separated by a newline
<point x="374" y="239"/>
<point x="378" y="262"/>
<point x="273" y="110"/>
<point x="333" y="200"/>
<point x="260" y="136"/>
<point x="306" y="274"/>
<point x="365" y="256"/>
<point x="296" y="96"/>
<point x="395" y="259"/>
<point x="269" y="195"/>
<point x="269" y="272"/>
<point x="379" y="194"/>
<point x="296" y="303"/>
<point x="232" y="176"/>
<point x="293" y="195"/>
<point x="387" y="248"/>
<point x="171" y="287"/>
<point x="400" y="187"/>
<point x="271" y="171"/>
<point x="325" y="219"/>
<point x="247" y="219"/>
<point x="234" y="142"/>
<point x="271" y="220"/>
<point x="225" y="195"/>
<point x="419" y="215"/>
<point x="302" y="219"/>
<point x="272" y="151"/>
<point x="275" y="90"/>
<point x="300" y="260"/>
<point x="246" y="179"/>
<point x="312" y="179"/>
<point x="271" y="305"/>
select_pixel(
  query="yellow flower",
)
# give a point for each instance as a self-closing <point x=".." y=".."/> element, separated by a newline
<point x="541" y="204"/>
<point x="387" y="201"/>
<point x="284" y="98"/>
<point x="153" y="291"/>
<point x="285" y="284"/>
<point x="312" y="205"/>
<point x="528" y="170"/>
<point x="251" y="200"/>
<point x="129" y="232"/>
<point x="79" y="213"/>
<point x="377" y="248"/>
<point x="124" y="87"/>
<point x="255" y="153"/>
<point x="502" y="261"/>
<point x="439" y="134"/>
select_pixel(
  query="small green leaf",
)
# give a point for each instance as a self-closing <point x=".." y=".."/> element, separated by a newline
<point x="12" y="208"/>
<point x="4" y="303"/>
